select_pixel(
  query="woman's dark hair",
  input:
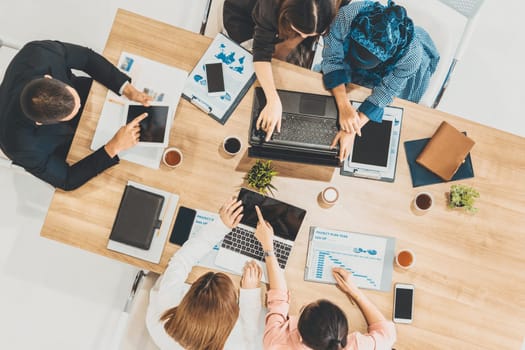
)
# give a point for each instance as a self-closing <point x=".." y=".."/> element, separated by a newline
<point x="46" y="100"/>
<point x="307" y="16"/>
<point x="323" y="326"/>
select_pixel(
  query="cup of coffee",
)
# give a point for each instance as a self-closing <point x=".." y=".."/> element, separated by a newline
<point x="172" y="157"/>
<point x="232" y="145"/>
<point x="423" y="201"/>
<point x="329" y="195"/>
<point x="405" y="259"/>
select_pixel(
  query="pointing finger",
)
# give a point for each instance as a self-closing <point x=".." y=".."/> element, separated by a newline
<point x="259" y="214"/>
<point x="138" y="119"/>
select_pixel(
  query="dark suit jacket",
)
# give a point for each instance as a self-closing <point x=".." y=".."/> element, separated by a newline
<point x="42" y="149"/>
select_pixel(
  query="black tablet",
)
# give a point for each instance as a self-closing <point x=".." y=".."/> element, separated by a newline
<point x="154" y="130"/>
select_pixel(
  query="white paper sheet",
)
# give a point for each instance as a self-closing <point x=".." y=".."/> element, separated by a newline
<point x="164" y="83"/>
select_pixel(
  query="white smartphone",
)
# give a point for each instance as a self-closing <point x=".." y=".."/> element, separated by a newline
<point x="214" y="78"/>
<point x="403" y="303"/>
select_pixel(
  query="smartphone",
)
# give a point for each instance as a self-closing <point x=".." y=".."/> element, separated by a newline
<point x="182" y="226"/>
<point x="403" y="303"/>
<point x="215" y="78"/>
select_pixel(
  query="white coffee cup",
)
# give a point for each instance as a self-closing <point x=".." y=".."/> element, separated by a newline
<point x="405" y="258"/>
<point x="232" y="145"/>
<point x="172" y="157"/>
<point x="330" y="195"/>
<point x="423" y="201"/>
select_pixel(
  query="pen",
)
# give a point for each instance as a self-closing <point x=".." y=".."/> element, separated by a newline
<point x="112" y="100"/>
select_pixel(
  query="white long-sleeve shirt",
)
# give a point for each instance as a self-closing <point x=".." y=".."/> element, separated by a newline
<point x="170" y="288"/>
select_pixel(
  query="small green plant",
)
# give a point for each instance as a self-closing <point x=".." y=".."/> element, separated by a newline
<point x="462" y="196"/>
<point x="260" y="176"/>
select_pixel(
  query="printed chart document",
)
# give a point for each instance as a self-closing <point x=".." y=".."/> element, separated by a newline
<point x="370" y="258"/>
<point x="162" y="82"/>
<point x="239" y="75"/>
<point x="154" y="253"/>
<point x="202" y="218"/>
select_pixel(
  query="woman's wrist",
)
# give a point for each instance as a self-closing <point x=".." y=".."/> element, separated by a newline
<point x="356" y="295"/>
<point x="267" y="247"/>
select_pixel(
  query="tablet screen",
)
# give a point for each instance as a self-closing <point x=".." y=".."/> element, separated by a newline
<point x="285" y="219"/>
<point x="373" y="147"/>
<point x="152" y="129"/>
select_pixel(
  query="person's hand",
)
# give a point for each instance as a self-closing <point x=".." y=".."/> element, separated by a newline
<point x="126" y="137"/>
<point x="231" y="212"/>
<point x="251" y="275"/>
<point x="270" y="117"/>
<point x="344" y="281"/>
<point x="346" y="141"/>
<point x="264" y="231"/>
<point x="349" y="120"/>
<point x="135" y="95"/>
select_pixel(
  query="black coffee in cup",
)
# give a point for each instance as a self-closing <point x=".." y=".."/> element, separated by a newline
<point x="232" y="145"/>
<point x="423" y="201"/>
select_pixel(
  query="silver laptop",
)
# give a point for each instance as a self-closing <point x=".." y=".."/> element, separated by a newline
<point x="240" y="245"/>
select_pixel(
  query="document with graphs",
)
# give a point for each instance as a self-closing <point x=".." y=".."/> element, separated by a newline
<point x="369" y="258"/>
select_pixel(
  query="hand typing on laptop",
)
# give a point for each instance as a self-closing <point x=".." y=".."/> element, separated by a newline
<point x="231" y="212"/>
<point x="251" y="275"/>
<point x="345" y="137"/>
<point x="270" y="117"/>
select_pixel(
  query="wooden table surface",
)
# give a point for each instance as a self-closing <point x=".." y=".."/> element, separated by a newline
<point x="470" y="272"/>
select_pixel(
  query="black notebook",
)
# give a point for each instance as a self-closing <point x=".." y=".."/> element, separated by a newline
<point x="421" y="176"/>
<point x="137" y="218"/>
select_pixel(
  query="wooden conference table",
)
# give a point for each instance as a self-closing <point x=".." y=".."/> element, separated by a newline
<point x="470" y="270"/>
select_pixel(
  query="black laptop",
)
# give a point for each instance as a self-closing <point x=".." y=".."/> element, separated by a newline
<point x="308" y="127"/>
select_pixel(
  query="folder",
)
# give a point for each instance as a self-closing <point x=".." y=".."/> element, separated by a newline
<point x="239" y="75"/>
<point x="445" y="152"/>
<point x="137" y="218"/>
<point x="422" y="176"/>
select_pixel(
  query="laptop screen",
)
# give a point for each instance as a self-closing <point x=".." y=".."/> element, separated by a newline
<point x="284" y="218"/>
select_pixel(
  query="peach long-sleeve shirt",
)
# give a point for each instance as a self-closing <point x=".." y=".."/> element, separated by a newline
<point x="281" y="329"/>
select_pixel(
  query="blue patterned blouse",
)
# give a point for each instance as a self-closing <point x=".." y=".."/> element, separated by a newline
<point x="408" y="79"/>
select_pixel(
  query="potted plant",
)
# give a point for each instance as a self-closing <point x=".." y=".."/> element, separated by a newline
<point x="260" y="176"/>
<point x="462" y="196"/>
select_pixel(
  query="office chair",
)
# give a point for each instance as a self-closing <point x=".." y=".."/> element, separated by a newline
<point x="131" y="332"/>
<point x="4" y="160"/>
<point x="212" y="21"/>
<point x="450" y="24"/>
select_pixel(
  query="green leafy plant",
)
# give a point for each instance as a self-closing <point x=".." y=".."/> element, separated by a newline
<point x="462" y="196"/>
<point x="260" y="176"/>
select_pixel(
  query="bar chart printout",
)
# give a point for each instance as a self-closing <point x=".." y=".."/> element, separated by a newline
<point x="368" y="257"/>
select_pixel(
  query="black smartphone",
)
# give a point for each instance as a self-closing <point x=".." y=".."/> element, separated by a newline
<point x="403" y="303"/>
<point x="182" y="226"/>
<point x="215" y="78"/>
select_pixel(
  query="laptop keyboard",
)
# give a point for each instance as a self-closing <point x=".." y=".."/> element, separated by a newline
<point x="243" y="241"/>
<point x="304" y="129"/>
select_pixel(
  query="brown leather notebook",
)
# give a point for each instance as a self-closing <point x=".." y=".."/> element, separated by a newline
<point x="446" y="151"/>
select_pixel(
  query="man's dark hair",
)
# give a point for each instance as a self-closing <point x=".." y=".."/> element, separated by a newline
<point x="323" y="325"/>
<point x="46" y="100"/>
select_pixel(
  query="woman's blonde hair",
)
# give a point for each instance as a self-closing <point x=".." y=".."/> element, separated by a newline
<point x="206" y="315"/>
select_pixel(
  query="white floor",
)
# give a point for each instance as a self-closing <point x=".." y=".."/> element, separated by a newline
<point x="58" y="297"/>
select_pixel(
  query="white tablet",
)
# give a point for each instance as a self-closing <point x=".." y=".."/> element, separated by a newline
<point x="155" y="128"/>
<point x="374" y="155"/>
